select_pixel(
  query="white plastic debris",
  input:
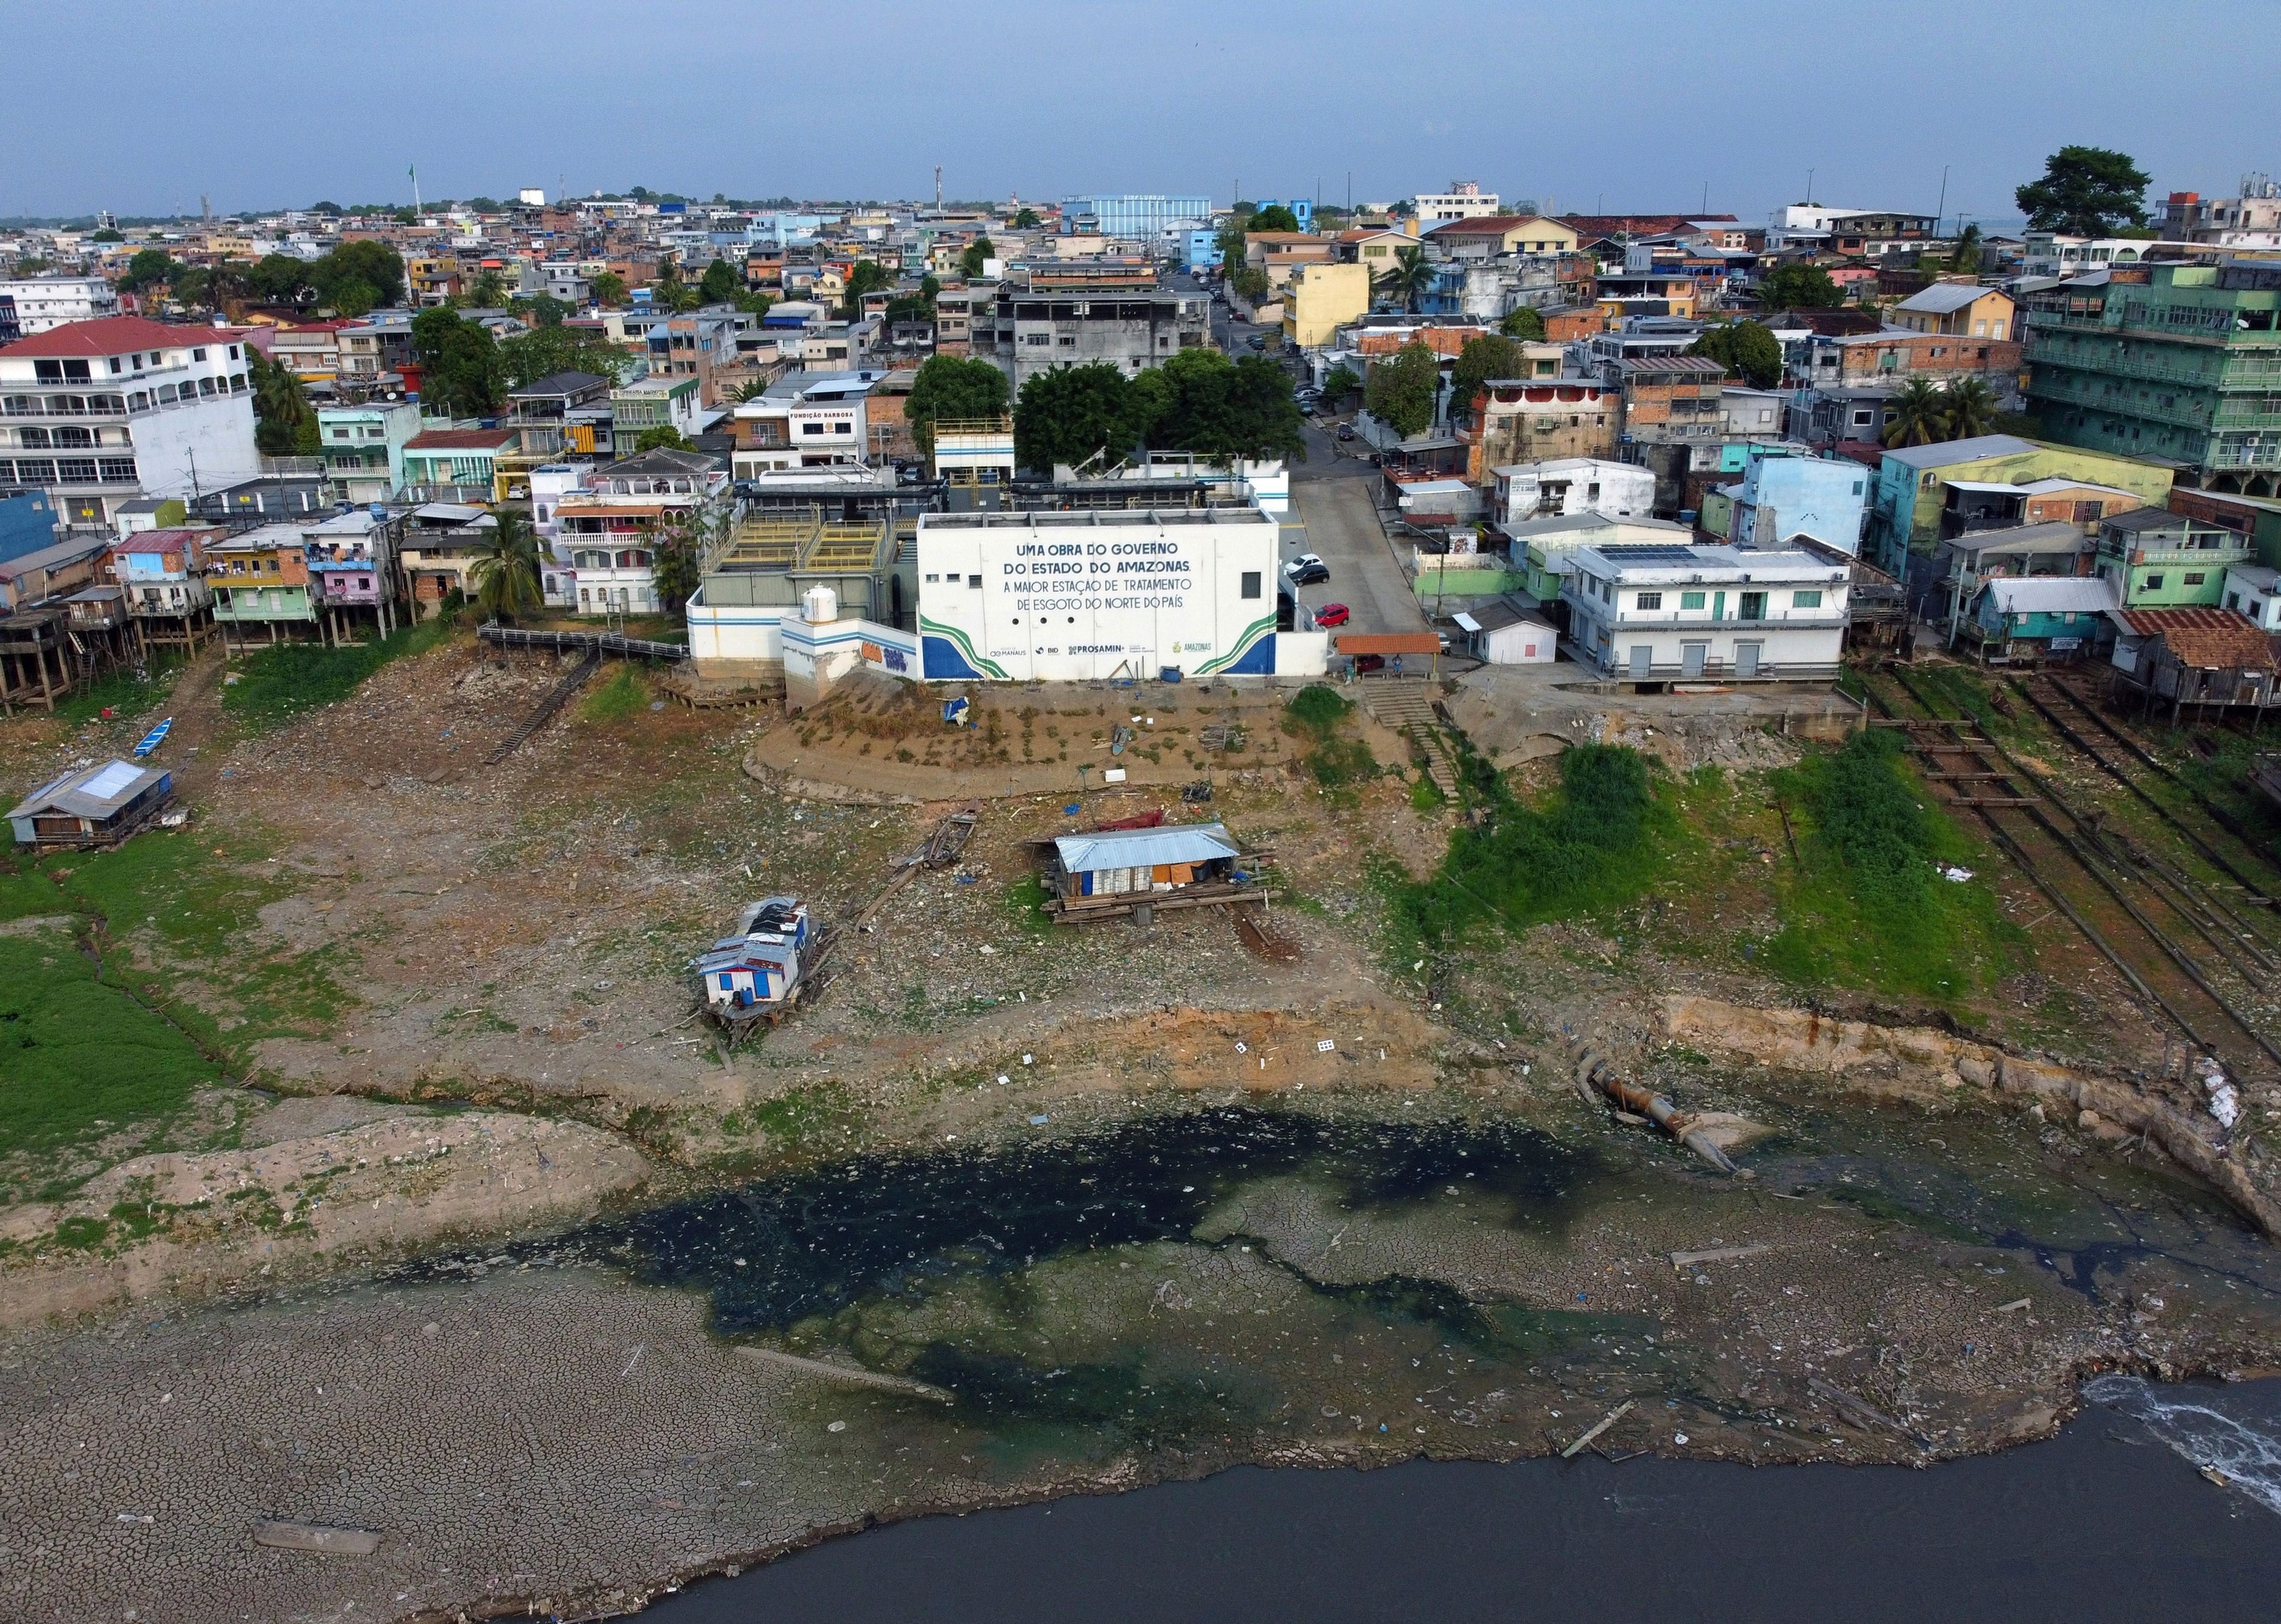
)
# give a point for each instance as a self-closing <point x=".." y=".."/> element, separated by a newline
<point x="2224" y="1098"/>
<point x="1954" y="873"/>
<point x="1003" y="1078"/>
<point x="1026" y="1060"/>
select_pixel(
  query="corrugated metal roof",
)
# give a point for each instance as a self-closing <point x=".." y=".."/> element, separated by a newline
<point x="2211" y="640"/>
<point x="2053" y="594"/>
<point x="1133" y="848"/>
<point x="91" y="792"/>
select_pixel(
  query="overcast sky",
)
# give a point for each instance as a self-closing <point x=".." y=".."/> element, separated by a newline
<point x="139" y="106"/>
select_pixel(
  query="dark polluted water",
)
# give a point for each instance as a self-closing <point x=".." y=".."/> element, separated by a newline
<point x="2109" y="1520"/>
<point x="1181" y="1293"/>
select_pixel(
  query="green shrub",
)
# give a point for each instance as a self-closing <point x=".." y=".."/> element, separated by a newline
<point x="1339" y="762"/>
<point x="1595" y="841"/>
<point x="1319" y="709"/>
<point x="624" y="695"/>
<point x="77" y="1052"/>
<point x="1870" y="905"/>
<point x="276" y="684"/>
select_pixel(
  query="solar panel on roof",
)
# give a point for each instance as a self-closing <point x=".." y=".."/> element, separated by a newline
<point x="1648" y="553"/>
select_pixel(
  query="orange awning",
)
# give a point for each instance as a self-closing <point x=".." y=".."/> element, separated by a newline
<point x="1386" y="643"/>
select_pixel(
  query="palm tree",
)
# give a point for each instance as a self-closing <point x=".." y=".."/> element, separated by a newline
<point x="1970" y="407"/>
<point x="505" y="568"/>
<point x="1409" y="276"/>
<point x="1920" y="414"/>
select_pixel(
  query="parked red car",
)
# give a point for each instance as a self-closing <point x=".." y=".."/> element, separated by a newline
<point x="1331" y="614"/>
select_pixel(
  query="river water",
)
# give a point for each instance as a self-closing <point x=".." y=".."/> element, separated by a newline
<point x="1167" y="1296"/>
<point x="2108" y="1520"/>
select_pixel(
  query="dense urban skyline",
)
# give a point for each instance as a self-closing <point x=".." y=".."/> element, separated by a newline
<point x="1625" y="114"/>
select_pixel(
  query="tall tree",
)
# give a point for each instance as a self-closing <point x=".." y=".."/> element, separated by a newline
<point x="147" y="268"/>
<point x="462" y="374"/>
<point x="1201" y="401"/>
<point x="1965" y="256"/>
<point x="1408" y="277"/>
<point x="864" y="276"/>
<point x="489" y="291"/>
<point x="2085" y="192"/>
<point x="978" y="252"/>
<point x="1481" y="359"/>
<point x="1920" y="414"/>
<point x="951" y="389"/>
<point x="1027" y="219"/>
<point x="1745" y="349"/>
<point x="662" y="437"/>
<point x="1401" y="389"/>
<point x="1274" y="217"/>
<point x="679" y="547"/>
<point x="545" y="351"/>
<point x="367" y="265"/>
<point x="609" y="287"/>
<point x="1341" y="381"/>
<point x="1795" y="285"/>
<point x="1523" y="322"/>
<point x="505" y="568"/>
<point x="1074" y="413"/>
<point x="1967" y="408"/>
<point x="720" y="283"/>
<point x="284" y="424"/>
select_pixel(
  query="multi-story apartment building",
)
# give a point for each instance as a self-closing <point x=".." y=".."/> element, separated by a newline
<point x="30" y="305"/>
<point x="1032" y="329"/>
<point x="606" y="544"/>
<point x="696" y="346"/>
<point x="1465" y="200"/>
<point x="651" y="403"/>
<point x="1137" y="216"/>
<point x="2159" y="560"/>
<point x="260" y="584"/>
<point x="2177" y="362"/>
<point x="352" y="569"/>
<point x="363" y="447"/>
<point x="376" y="347"/>
<point x="807" y="420"/>
<point x="1917" y="484"/>
<point x="1660" y="613"/>
<point x="2250" y="218"/>
<point x="1531" y="420"/>
<point x="100" y="413"/>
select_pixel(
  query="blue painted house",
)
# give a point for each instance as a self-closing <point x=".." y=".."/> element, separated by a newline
<point x="2034" y="618"/>
<point x="28" y="522"/>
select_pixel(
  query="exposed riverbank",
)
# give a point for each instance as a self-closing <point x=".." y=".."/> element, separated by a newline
<point x="570" y="1424"/>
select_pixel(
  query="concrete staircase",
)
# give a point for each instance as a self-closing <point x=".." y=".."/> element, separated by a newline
<point x="1406" y="706"/>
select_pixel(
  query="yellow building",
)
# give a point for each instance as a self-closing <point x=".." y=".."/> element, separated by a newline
<point x="1962" y="309"/>
<point x="1321" y="299"/>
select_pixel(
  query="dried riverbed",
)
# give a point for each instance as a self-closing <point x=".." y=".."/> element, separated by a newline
<point x="571" y="1423"/>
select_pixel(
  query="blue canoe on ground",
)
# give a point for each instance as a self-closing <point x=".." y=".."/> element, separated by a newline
<point x="152" y="739"/>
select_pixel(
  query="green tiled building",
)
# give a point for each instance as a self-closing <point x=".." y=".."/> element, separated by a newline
<point x="2174" y="363"/>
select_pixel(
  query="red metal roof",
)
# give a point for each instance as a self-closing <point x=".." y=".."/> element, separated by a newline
<point x="111" y="336"/>
<point x="459" y="439"/>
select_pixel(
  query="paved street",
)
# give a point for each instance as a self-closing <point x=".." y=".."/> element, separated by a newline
<point x="1332" y="514"/>
<point x="1331" y="503"/>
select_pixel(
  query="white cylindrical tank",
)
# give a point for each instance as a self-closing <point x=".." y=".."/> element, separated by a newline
<point x="819" y="605"/>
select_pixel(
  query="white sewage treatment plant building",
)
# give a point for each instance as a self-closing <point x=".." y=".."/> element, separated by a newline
<point x="1073" y="597"/>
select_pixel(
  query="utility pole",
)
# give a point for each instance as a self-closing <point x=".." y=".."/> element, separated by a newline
<point x="1350" y="191"/>
<point x="1809" y="186"/>
<point x="938" y="188"/>
<point x="1941" y="209"/>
